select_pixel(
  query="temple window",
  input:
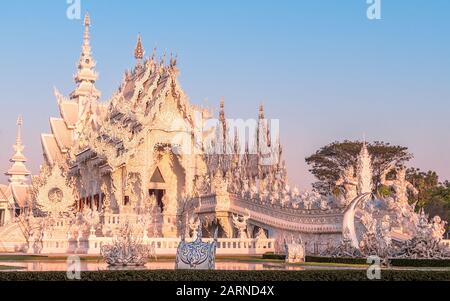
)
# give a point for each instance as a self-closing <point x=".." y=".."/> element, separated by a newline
<point x="2" y="217"/>
<point x="97" y="202"/>
<point x="126" y="200"/>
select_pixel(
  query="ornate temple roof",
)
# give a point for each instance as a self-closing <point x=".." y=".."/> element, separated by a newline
<point x="69" y="112"/>
<point x="52" y="152"/>
<point x="76" y="109"/>
<point x="21" y="194"/>
<point x="3" y="193"/>
<point x="17" y="193"/>
<point x="150" y="98"/>
<point x="63" y="135"/>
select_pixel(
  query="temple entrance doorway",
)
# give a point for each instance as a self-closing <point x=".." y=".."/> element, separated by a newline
<point x="157" y="188"/>
<point x="159" y="195"/>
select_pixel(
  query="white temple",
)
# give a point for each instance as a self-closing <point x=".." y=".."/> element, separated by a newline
<point x="138" y="158"/>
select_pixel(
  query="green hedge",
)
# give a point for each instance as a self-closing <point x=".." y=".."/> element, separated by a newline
<point x="341" y="260"/>
<point x="432" y="263"/>
<point x="318" y="259"/>
<point x="166" y="275"/>
<point x="273" y="256"/>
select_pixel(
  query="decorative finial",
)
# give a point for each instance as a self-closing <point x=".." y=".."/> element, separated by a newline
<point x="87" y="20"/>
<point x="163" y="58"/>
<point x="222" y="109"/>
<point x="223" y="120"/>
<point x="261" y="111"/>
<point x="19" y="130"/>
<point x="173" y="59"/>
<point x="139" y="51"/>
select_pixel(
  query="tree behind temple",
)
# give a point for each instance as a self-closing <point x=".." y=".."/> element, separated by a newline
<point x="328" y="163"/>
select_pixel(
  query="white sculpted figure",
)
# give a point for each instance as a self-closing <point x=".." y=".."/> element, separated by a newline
<point x="386" y="229"/>
<point x="399" y="184"/>
<point x="324" y="205"/>
<point x="194" y="225"/>
<point x="438" y="228"/>
<point x="295" y="251"/>
<point x="127" y="249"/>
<point x="241" y="224"/>
<point x="349" y="181"/>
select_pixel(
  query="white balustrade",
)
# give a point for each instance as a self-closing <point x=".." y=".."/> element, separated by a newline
<point x="163" y="246"/>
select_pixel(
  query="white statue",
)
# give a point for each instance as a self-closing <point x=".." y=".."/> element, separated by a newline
<point x="324" y="205"/>
<point x="438" y="228"/>
<point x="364" y="171"/>
<point x="349" y="181"/>
<point x="241" y="224"/>
<point x="127" y="249"/>
<point x="295" y="251"/>
<point x="194" y="225"/>
<point x="400" y="184"/>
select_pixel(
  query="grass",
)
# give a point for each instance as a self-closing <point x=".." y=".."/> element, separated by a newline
<point x="9" y="268"/>
<point x="18" y="258"/>
<point x="5" y="258"/>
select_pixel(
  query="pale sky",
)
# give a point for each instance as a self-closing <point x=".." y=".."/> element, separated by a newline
<point x="321" y="67"/>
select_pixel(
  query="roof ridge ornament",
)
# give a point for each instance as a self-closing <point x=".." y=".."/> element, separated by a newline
<point x="261" y="112"/>
<point x="139" y="51"/>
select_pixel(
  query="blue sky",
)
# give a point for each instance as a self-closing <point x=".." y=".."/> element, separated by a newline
<point x="320" y="66"/>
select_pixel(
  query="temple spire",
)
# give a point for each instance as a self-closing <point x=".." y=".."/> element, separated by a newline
<point x="223" y="121"/>
<point x="86" y="75"/>
<point x="222" y="110"/>
<point x="18" y="172"/>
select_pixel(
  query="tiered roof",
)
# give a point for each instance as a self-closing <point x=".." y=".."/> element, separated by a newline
<point x="18" y="173"/>
<point x="80" y="105"/>
<point x="18" y="191"/>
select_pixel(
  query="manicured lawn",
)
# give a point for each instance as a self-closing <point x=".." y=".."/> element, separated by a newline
<point x="17" y="258"/>
<point x="6" y="268"/>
